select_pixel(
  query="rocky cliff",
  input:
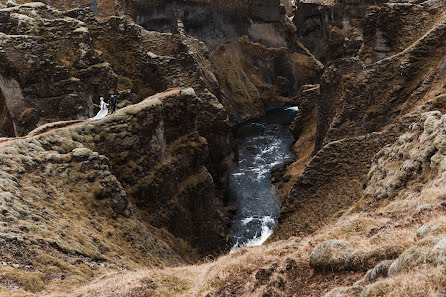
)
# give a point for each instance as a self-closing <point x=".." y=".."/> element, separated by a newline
<point x="142" y="187"/>
<point x="361" y="108"/>
<point x="55" y="65"/>
<point x="142" y="190"/>
<point x="258" y="59"/>
<point x="255" y="52"/>
<point x="129" y="190"/>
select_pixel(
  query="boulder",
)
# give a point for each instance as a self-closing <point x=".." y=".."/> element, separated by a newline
<point x="438" y="253"/>
<point x="380" y="270"/>
<point x="412" y="257"/>
<point x="330" y="255"/>
<point x="427" y="229"/>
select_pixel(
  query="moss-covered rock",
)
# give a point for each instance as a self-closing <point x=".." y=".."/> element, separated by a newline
<point x="138" y="193"/>
<point x="412" y="257"/>
<point x="330" y="255"/>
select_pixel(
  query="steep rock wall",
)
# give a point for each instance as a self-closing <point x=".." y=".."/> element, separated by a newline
<point x="56" y="65"/>
<point x="124" y="191"/>
<point x="257" y="58"/>
<point x="221" y="24"/>
<point x="331" y="29"/>
<point x="359" y="104"/>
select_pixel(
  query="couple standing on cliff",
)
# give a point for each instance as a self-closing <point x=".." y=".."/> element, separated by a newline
<point x="103" y="112"/>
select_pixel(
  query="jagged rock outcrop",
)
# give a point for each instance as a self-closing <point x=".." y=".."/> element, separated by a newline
<point x="257" y="57"/>
<point x="243" y="30"/>
<point x="50" y="70"/>
<point x="361" y="108"/>
<point x="332" y="29"/>
<point x="55" y="65"/>
<point x="254" y="77"/>
<point x="131" y="188"/>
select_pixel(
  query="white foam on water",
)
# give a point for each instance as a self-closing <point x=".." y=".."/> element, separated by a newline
<point x="275" y="163"/>
<point x="261" y="172"/>
<point x="271" y="148"/>
<point x="234" y="247"/>
<point x="247" y="220"/>
<point x="258" y="239"/>
<point x="238" y="174"/>
<point x="293" y="108"/>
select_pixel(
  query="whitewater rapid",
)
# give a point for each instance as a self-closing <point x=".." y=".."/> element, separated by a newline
<point x="263" y="144"/>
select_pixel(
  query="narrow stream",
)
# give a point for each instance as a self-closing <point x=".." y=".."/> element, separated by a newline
<point x="263" y="143"/>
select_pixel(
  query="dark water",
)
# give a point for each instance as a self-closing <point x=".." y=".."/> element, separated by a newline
<point x="263" y="144"/>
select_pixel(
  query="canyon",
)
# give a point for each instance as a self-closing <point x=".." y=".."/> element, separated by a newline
<point x="136" y="204"/>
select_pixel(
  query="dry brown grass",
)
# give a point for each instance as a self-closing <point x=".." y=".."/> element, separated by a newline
<point x="422" y="282"/>
<point x="395" y="222"/>
<point x="134" y="283"/>
<point x="192" y="280"/>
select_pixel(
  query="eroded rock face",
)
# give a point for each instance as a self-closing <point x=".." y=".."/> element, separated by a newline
<point x="56" y="65"/>
<point x="223" y="19"/>
<point x="94" y="191"/>
<point x="258" y="60"/>
<point x="255" y="51"/>
<point x="91" y="59"/>
<point x="383" y="24"/>
<point x="49" y="67"/>
<point x="332" y="29"/>
<point x="361" y="108"/>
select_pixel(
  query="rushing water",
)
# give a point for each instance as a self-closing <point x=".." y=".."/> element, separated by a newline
<point x="263" y="144"/>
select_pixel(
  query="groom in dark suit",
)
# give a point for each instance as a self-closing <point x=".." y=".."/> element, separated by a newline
<point x="113" y="103"/>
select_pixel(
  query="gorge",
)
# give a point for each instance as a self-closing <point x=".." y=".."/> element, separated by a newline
<point x="263" y="143"/>
<point x="148" y="201"/>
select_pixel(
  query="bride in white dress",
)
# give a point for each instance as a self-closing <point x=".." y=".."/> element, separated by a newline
<point x="103" y="112"/>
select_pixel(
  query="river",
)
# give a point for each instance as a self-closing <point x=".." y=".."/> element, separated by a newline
<point x="263" y="143"/>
